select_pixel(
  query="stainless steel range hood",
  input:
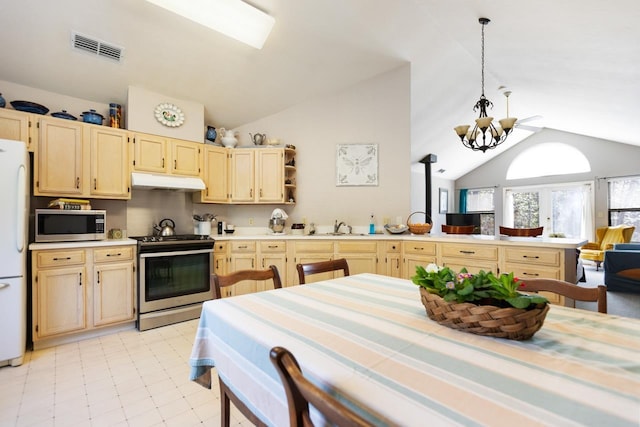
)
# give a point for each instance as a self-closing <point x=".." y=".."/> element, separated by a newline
<point x="148" y="181"/>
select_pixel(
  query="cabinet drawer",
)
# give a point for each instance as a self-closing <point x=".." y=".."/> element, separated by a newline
<point x="472" y="266"/>
<point x="470" y="251"/>
<point x="273" y="246"/>
<point x="533" y="256"/>
<point x="532" y="272"/>
<point x="113" y="254"/>
<point x="60" y="258"/>
<point x="220" y="247"/>
<point x="420" y="248"/>
<point x="310" y="247"/>
<point x="392" y="247"/>
<point x="243" y="246"/>
<point x="356" y="247"/>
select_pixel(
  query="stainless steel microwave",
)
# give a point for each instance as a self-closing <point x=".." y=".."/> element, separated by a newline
<point x="63" y="225"/>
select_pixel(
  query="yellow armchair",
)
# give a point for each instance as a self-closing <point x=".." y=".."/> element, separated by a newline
<point x="606" y="237"/>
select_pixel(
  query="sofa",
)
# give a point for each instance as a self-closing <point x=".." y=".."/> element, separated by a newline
<point x="606" y="237"/>
<point x="622" y="268"/>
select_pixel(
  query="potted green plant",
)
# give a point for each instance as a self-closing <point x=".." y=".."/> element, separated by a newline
<point x="480" y="303"/>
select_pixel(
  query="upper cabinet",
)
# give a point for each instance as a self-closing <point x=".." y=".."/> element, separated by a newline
<point x="18" y="126"/>
<point x="81" y="160"/>
<point x="156" y="154"/>
<point x="248" y="175"/>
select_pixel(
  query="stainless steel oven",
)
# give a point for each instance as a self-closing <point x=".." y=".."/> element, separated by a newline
<point x="173" y="278"/>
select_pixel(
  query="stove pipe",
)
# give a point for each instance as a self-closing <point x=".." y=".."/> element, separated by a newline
<point x="427" y="160"/>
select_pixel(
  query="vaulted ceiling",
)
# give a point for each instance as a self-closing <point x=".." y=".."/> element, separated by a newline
<point x="574" y="64"/>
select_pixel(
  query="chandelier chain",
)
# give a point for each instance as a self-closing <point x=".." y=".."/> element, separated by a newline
<point x="483" y="25"/>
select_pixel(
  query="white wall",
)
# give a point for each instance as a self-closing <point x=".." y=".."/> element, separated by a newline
<point x="607" y="159"/>
<point x="376" y="111"/>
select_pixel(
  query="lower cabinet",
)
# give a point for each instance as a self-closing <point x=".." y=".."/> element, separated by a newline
<point x="272" y="252"/>
<point x="390" y="258"/>
<point x="242" y="256"/>
<point x="416" y="253"/>
<point x="78" y="290"/>
<point x="361" y="255"/>
<point x="472" y="257"/>
<point x="307" y="251"/>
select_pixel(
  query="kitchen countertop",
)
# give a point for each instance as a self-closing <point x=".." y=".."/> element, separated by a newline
<point x="441" y="238"/>
<point x="86" y="244"/>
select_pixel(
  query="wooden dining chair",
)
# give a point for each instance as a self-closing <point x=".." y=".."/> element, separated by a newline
<point x="569" y="290"/>
<point x="322" y="267"/>
<point x="220" y="282"/>
<point x="522" y="232"/>
<point x="301" y="392"/>
<point x="457" y="229"/>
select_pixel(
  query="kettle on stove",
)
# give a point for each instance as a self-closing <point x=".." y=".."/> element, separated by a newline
<point x="164" y="229"/>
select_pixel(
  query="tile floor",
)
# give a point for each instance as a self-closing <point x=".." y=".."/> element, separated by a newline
<point x="129" y="378"/>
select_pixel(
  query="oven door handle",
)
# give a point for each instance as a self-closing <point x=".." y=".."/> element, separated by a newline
<point x="174" y="253"/>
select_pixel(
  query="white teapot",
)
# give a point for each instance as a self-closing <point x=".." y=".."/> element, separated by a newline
<point x="228" y="137"/>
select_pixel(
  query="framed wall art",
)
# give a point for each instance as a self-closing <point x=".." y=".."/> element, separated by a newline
<point x="356" y="165"/>
<point x="444" y="200"/>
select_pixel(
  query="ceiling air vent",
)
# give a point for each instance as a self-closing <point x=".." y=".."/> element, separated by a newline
<point x="96" y="47"/>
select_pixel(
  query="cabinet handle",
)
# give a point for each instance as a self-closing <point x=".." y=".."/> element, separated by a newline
<point x="530" y="274"/>
<point x="98" y="277"/>
<point x="175" y="165"/>
<point x="95" y="183"/>
<point x="62" y="259"/>
<point x="397" y="263"/>
<point x="418" y="249"/>
<point x="77" y="182"/>
<point x="163" y="162"/>
<point x="252" y="264"/>
<point x="242" y="247"/>
<point x="467" y="252"/>
<point x="530" y="256"/>
<point x="118" y="254"/>
<point x="80" y="284"/>
<point x="272" y="246"/>
<point x="251" y="192"/>
<point x="263" y="263"/>
<point x="261" y="192"/>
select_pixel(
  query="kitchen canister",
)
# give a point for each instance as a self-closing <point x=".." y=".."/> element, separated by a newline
<point x="115" y="115"/>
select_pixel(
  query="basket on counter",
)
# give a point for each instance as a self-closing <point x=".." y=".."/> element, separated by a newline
<point x="419" y="228"/>
<point x="500" y="322"/>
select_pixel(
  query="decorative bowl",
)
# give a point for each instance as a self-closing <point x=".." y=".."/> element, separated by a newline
<point x="29" y="107"/>
<point x="396" y="229"/>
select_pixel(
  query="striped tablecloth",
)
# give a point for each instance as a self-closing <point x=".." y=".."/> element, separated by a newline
<point x="367" y="339"/>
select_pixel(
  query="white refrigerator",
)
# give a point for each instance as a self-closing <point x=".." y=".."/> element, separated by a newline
<point x="14" y="206"/>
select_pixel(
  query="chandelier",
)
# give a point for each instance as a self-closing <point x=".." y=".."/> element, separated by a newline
<point x="485" y="135"/>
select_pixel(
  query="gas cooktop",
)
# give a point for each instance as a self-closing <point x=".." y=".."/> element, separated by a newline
<point x="174" y="238"/>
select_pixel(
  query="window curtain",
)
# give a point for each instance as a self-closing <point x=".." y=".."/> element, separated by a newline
<point x="507" y="211"/>
<point x="463" y="201"/>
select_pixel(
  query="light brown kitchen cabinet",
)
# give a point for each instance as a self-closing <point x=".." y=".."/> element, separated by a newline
<point x="532" y="263"/>
<point x="389" y="256"/>
<point x="242" y="174"/>
<point x="19" y="126"/>
<point x="272" y="252"/>
<point x="221" y="257"/>
<point x="242" y="255"/>
<point x="77" y="292"/>
<point x="270" y="175"/>
<point x="361" y="255"/>
<point x="113" y="285"/>
<point x="59" y="281"/>
<point x="472" y="257"/>
<point x="307" y="251"/>
<point x="109" y="172"/>
<point x="215" y="172"/>
<point x="60" y="158"/>
<point x="416" y="253"/>
<point x="156" y="154"/>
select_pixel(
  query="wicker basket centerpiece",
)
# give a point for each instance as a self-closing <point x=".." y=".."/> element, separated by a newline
<point x="419" y="227"/>
<point x="481" y="303"/>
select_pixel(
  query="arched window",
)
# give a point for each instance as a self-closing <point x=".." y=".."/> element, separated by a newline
<point x="546" y="159"/>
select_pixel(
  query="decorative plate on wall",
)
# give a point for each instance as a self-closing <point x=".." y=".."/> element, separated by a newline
<point x="169" y="115"/>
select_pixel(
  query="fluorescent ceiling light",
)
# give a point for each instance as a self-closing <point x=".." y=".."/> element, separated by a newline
<point x="233" y="18"/>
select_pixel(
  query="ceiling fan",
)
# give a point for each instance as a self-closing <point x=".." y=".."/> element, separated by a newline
<point x="520" y="124"/>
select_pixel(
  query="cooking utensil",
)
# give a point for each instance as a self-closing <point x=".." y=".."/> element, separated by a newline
<point x="276" y="225"/>
<point x="64" y="115"/>
<point x="29" y="107"/>
<point x="258" y="138"/>
<point x="164" y="229"/>
<point x="92" y="117"/>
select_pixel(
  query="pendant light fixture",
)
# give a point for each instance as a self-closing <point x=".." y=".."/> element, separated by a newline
<point x="485" y="135"/>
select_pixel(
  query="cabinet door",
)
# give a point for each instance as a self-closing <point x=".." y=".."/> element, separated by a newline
<point x="215" y="174"/>
<point x="112" y="293"/>
<point x="242" y="176"/>
<point x="59" y="167"/>
<point x="243" y="261"/>
<point x="185" y="158"/>
<point x="150" y="153"/>
<point x="15" y="125"/>
<point x="270" y="175"/>
<point x="389" y="258"/>
<point x="413" y="260"/>
<point x="60" y="301"/>
<point x="109" y="163"/>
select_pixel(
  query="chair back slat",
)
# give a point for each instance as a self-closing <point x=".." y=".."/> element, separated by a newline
<point x="522" y="232"/>
<point x="222" y="281"/>
<point x="321" y="267"/>
<point x="569" y="290"/>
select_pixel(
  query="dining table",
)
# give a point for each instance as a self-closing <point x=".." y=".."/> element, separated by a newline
<point x="366" y="339"/>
